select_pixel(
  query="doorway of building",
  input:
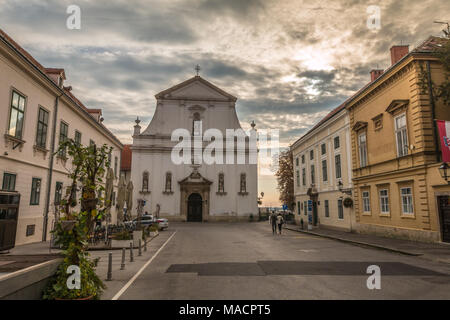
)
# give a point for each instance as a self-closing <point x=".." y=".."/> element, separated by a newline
<point x="444" y="213"/>
<point x="315" y="215"/>
<point x="195" y="213"/>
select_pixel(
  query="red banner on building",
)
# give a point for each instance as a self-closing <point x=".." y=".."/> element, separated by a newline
<point x="444" y="137"/>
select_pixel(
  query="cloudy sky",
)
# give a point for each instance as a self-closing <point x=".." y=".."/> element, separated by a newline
<point x="288" y="61"/>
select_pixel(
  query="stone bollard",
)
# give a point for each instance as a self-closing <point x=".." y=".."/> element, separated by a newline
<point x="131" y="252"/>
<point x="140" y="248"/>
<point x="122" y="265"/>
<point x="109" y="275"/>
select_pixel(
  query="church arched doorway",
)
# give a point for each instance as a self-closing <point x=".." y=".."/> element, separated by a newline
<point x="195" y="213"/>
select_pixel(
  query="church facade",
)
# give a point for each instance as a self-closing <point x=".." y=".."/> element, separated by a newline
<point x="195" y="190"/>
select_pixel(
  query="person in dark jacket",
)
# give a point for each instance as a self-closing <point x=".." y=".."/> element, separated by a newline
<point x="273" y="222"/>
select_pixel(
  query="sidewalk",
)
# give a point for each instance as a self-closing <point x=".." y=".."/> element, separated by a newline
<point x="431" y="251"/>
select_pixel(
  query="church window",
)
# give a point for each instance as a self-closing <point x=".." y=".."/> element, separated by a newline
<point x="243" y="183"/>
<point x="221" y="183"/>
<point x="168" y="182"/>
<point x="145" y="177"/>
<point x="197" y="125"/>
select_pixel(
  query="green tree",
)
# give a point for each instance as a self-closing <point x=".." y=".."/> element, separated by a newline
<point x="285" y="178"/>
<point x="72" y="231"/>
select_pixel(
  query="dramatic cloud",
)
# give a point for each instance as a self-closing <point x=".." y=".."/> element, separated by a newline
<point x="289" y="62"/>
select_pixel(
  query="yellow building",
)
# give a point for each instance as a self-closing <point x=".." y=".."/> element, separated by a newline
<point x="398" y="191"/>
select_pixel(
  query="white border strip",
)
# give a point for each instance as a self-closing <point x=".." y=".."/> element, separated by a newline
<point x="129" y="283"/>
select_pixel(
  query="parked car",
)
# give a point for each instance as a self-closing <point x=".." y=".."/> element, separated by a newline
<point x="149" y="220"/>
<point x="146" y="221"/>
<point x="163" y="223"/>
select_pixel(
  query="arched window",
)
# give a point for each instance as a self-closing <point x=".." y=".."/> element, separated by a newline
<point x="145" y="178"/>
<point x="168" y="182"/>
<point x="221" y="184"/>
<point x="196" y="125"/>
<point x="243" y="183"/>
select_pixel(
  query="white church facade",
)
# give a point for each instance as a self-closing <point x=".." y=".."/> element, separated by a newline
<point x="196" y="190"/>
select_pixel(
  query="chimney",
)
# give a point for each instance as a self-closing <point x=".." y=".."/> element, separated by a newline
<point x="375" y="74"/>
<point x="398" y="52"/>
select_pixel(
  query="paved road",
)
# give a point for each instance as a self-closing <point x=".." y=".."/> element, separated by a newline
<point x="245" y="261"/>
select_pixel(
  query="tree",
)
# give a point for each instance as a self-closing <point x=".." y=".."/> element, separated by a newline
<point x="285" y="178"/>
<point x="73" y="230"/>
<point x="441" y="91"/>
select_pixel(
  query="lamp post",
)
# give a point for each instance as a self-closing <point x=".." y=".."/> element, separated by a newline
<point x="445" y="172"/>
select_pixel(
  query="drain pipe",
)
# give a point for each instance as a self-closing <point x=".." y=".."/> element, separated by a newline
<point x="433" y="112"/>
<point x="50" y="169"/>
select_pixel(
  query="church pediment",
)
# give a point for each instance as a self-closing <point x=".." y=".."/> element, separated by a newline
<point x="196" y="88"/>
<point x="195" y="178"/>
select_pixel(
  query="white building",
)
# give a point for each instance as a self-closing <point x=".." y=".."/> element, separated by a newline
<point x="323" y="173"/>
<point x="186" y="192"/>
<point x="37" y="112"/>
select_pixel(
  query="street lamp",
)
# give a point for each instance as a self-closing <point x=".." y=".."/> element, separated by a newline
<point x="444" y="171"/>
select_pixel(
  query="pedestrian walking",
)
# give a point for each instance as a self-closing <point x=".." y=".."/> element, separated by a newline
<point x="273" y="222"/>
<point x="280" y="222"/>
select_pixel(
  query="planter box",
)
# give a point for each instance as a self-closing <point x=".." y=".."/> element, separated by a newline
<point x="120" y="243"/>
<point x="136" y="236"/>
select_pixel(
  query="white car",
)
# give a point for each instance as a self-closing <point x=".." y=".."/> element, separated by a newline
<point x="163" y="223"/>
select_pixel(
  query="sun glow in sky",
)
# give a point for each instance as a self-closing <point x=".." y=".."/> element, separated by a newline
<point x="288" y="62"/>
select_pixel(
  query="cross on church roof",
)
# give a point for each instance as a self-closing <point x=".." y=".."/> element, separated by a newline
<point x="197" y="69"/>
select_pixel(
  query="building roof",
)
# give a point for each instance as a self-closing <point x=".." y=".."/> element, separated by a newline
<point x="125" y="163"/>
<point x="46" y="72"/>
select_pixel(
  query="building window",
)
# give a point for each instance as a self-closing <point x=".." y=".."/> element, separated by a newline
<point x="297" y="162"/>
<point x="337" y="162"/>
<point x="327" y="209"/>
<point x="221" y="186"/>
<point x="168" y="182"/>
<point x="116" y="164"/>
<point x="197" y="125"/>
<point x="303" y="159"/>
<point x="58" y="192"/>
<point x="313" y="176"/>
<point x="401" y="135"/>
<point x="243" y="183"/>
<point x="78" y="137"/>
<point x="384" y="201"/>
<point x="42" y="126"/>
<point x="407" y="200"/>
<point x="311" y="155"/>
<point x="340" y="209"/>
<point x="362" y="146"/>
<point x="145" y="177"/>
<point x="298" y="178"/>
<point x="305" y="206"/>
<point x="324" y="170"/>
<point x="63" y="136"/>
<point x="324" y="148"/>
<point x="9" y="182"/>
<point x="16" y="115"/>
<point x="114" y="198"/>
<point x="304" y="176"/>
<point x="337" y="143"/>
<point x="299" y="211"/>
<point x="366" y="201"/>
<point x="91" y="143"/>
<point x="109" y="159"/>
<point x="35" y="191"/>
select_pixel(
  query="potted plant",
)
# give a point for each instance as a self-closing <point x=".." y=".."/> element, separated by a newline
<point x="72" y="231"/>
<point x="121" y="239"/>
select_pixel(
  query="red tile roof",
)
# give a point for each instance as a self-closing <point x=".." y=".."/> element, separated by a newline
<point x="126" y="158"/>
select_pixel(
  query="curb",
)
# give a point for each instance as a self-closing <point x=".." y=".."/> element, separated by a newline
<point x="358" y="243"/>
